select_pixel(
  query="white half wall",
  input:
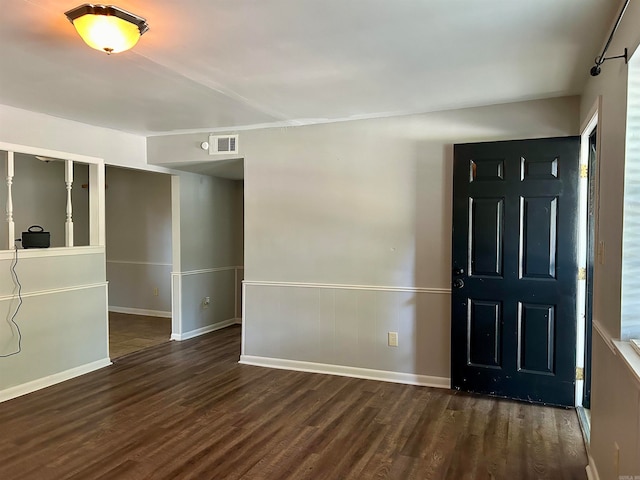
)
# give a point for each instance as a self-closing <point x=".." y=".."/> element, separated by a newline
<point x="63" y="318"/>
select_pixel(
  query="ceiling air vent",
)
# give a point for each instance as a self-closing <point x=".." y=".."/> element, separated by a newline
<point x="221" y="144"/>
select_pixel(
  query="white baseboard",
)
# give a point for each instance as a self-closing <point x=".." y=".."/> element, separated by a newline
<point x="201" y="331"/>
<point x="355" y="372"/>
<point x="19" y="390"/>
<point x="140" y="311"/>
<point x="238" y="321"/>
<point x="592" y="471"/>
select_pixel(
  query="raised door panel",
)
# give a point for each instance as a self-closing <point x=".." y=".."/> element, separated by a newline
<point x="484" y="345"/>
<point x="486" y="224"/>
<point x="538" y="237"/>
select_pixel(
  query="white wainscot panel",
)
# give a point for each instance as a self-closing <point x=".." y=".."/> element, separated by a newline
<point x="54" y="270"/>
<point x="348" y="326"/>
<point x="189" y="291"/>
<point x="61" y="331"/>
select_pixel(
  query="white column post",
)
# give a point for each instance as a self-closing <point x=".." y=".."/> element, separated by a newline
<point x="11" y="227"/>
<point x="68" y="226"/>
<point x="96" y="204"/>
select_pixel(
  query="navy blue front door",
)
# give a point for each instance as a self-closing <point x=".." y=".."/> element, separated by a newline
<point x="514" y="272"/>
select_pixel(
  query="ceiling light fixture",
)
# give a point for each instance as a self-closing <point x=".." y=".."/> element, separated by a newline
<point x="107" y="28"/>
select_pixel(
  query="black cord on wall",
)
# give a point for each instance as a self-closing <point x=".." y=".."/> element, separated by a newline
<point x="14" y="275"/>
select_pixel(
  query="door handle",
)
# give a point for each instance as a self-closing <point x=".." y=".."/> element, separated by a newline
<point x="458" y="283"/>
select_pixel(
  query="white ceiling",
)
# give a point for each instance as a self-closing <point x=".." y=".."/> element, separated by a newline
<point x="222" y="64"/>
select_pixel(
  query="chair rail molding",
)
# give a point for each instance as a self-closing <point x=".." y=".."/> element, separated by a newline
<point x="341" y="286"/>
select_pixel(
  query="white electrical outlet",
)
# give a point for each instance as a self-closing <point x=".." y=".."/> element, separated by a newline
<point x="155" y="292"/>
<point x="206" y="301"/>
<point x="393" y="339"/>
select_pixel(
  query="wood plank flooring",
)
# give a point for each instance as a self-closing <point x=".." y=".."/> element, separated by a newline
<point x="132" y="333"/>
<point x="188" y="410"/>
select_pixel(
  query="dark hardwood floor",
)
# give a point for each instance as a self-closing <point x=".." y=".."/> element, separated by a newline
<point x="188" y="410"/>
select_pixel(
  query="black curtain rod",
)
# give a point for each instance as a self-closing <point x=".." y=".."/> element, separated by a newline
<point x="595" y="70"/>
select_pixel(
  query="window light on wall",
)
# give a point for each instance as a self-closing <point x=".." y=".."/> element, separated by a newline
<point x="630" y="308"/>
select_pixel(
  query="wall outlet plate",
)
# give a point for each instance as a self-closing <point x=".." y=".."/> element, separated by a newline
<point x="393" y="339"/>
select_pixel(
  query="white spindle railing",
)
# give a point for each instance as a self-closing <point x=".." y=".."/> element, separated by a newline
<point x="11" y="226"/>
<point x="68" y="180"/>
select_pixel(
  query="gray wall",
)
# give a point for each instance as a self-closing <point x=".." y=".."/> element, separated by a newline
<point x="44" y="131"/>
<point x="207" y="253"/>
<point x="138" y="230"/>
<point x="239" y="221"/>
<point x="364" y="204"/>
<point x="348" y="231"/>
<point x="615" y="405"/>
<point x="239" y="216"/>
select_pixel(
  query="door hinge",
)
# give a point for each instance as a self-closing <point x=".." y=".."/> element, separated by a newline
<point x="584" y="171"/>
<point x="582" y="274"/>
<point x="579" y="373"/>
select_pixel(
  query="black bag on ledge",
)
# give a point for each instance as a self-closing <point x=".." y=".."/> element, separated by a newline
<point x="36" y="237"/>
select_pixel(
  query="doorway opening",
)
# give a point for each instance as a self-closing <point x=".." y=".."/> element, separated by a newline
<point x="208" y="251"/>
<point x="139" y="259"/>
<point x="589" y="166"/>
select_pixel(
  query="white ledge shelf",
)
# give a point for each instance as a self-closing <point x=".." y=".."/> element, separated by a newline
<point x="630" y="357"/>
<point x="50" y="252"/>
